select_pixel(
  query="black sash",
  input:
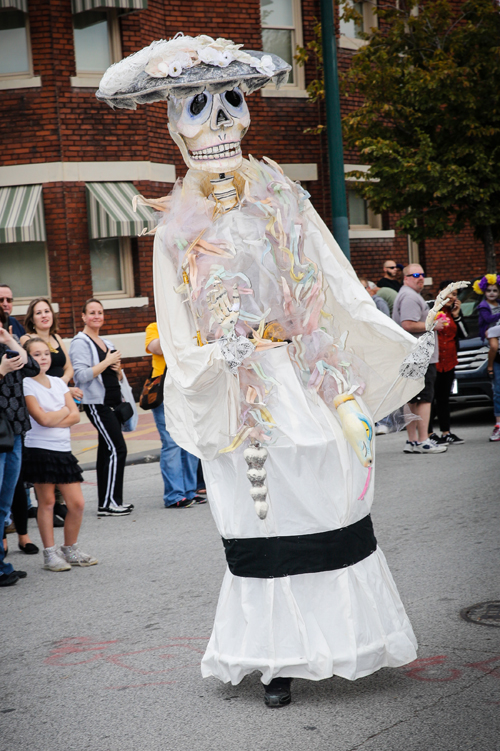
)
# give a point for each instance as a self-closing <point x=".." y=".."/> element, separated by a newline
<point x="269" y="557"/>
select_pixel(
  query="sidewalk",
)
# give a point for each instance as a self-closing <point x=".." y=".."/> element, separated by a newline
<point x="143" y="444"/>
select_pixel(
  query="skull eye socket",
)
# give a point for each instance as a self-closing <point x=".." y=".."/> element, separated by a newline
<point x="199" y="107"/>
<point x="198" y="104"/>
<point x="234" y="101"/>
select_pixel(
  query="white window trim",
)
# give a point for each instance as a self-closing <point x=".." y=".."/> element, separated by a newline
<point x="127" y="274"/>
<point x="373" y="230"/>
<point x="25" y="300"/>
<point x="370" y="19"/>
<point x="25" y="79"/>
<point x="124" y="302"/>
<point x="297" y="89"/>
<point x="91" y="79"/>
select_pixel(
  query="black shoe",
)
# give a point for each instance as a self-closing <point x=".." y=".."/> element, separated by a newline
<point x="278" y="692"/>
<point x="199" y="499"/>
<point x="438" y="440"/>
<point x="32" y="512"/>
<point x="30" y="548"/>
<point x="113" y="511"/>
<point x="185" y="503"/>
<point x="58" y="522"/>
<point x="452" y="440"/>
<point x="20" y="574"/>
<point x="7" y="580"/>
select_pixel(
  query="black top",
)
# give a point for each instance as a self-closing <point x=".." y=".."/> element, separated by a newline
<point x="12" y="403"/>
<point x="17" y="328"/>
<point x="58" y="361"/>
<point x="111" y="383"/>
<point x="392" y="283"/>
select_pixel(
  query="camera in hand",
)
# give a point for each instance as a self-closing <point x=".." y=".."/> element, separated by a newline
<point x="11" y="353"/>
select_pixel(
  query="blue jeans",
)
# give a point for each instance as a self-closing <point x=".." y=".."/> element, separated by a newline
<point x="496" y="388"/>
<point x="178" y="467"/>
<point x="10" y="466"/>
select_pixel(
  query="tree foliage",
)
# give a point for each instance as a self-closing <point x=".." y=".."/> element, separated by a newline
<point x="429" y="122"/>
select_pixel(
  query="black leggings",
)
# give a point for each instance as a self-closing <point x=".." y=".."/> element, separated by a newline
<point x="441" y="403"/>
<point x="111" y="454"/>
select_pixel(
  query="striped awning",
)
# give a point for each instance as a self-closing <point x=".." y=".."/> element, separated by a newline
<point x="79" y="6"/>
<point x="14" y="5"/>
<point x="21" y="214"/>
<point x="110" y="211"/>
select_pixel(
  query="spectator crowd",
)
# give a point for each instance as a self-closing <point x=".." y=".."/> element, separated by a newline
<point x="42" y="386"/>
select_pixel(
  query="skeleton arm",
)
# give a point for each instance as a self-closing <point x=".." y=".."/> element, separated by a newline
<point x="440" y="302"/>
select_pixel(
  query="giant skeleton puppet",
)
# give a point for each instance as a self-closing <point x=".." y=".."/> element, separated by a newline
<point x="278" y="364"/>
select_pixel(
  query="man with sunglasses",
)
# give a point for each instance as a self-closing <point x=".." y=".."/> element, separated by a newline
<point x="6" y="300"/>
<point x="389" y="278"/>
<point x="410" y="312"/>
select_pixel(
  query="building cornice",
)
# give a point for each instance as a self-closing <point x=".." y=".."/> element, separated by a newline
<point x="55" y="172"/>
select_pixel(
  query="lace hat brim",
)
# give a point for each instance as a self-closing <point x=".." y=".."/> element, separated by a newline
<point x="146" y="89"/>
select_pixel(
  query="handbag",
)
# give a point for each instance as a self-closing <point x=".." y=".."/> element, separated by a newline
<point x="123" y="412"/>
<point x="152" y="391"/>
<point x="6" y="435"/>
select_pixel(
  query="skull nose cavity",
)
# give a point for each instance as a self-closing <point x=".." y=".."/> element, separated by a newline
<point x="223" y="118"/>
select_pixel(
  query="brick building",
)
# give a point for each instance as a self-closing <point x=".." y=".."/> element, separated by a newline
<point x="69" y="165"/>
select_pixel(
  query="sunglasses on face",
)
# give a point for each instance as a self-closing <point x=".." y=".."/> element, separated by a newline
<point x="6" y="299"/>
<point x="391" y="268"/>
<point x="416" y="275"/>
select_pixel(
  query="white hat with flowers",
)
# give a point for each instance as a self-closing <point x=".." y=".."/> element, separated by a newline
<point x="185" y="66"/>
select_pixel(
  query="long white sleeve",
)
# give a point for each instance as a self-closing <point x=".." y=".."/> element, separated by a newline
<point x="372" y="336"/>
<point x="201" y="397"/>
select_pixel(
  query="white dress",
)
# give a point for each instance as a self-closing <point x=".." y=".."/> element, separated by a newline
<point x="347" y="622"/>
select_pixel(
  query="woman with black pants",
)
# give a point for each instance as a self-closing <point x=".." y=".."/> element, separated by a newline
<point x="97" y="372"/>
<point x="445" y="368"/>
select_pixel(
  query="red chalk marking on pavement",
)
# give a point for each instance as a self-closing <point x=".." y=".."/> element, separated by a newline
<point x="418" y="668"/>
<point x="77" y="645"/>
<point x="486" y="666"/>
<point x="179" y="647"/>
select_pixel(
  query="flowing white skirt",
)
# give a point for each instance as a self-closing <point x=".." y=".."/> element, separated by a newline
<point x="349" y="622"/>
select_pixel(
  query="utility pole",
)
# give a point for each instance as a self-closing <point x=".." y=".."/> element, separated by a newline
<point x="340" y="223"/>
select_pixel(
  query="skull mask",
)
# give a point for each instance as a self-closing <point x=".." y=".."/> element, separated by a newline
<point x="208" y="129"/>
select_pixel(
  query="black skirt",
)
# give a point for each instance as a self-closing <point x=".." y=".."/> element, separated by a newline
<point x="55" y="467"/>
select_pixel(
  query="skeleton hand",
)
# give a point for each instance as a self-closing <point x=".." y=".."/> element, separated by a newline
<point x="225" y="314"/>
<point x="440" y="302"/>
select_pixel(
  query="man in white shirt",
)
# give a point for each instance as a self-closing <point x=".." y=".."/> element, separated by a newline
<point x="410" y="312"/>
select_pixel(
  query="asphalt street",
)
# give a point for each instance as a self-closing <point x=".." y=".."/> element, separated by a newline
<point x="107" y="658"/>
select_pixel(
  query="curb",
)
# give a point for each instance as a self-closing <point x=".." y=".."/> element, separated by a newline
<point x="144" y="457"/>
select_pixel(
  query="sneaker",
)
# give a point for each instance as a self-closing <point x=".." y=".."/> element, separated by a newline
<point x="495" y="436"/>
<point x="381" y="429"/>
<point x="76" y="557"/>
<point x="129" y="506"/>
<point x="438" y="440"/>
<point x="429" y="447"/>
<point x="53" y="562"/>
<point x="409" y="447"/>
<point x="199" y="499"/>
<point x="183" y="503"/>
<point x="451" y="439"/>
<point x="113" y="510"/>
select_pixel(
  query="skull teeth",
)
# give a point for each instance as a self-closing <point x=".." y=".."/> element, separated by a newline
<point x="223" y="151"/>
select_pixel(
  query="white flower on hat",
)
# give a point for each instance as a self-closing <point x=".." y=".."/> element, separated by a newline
<point x="212" y="56"/>
<point x="175" y="69"/>
<point x="266" y="65"/>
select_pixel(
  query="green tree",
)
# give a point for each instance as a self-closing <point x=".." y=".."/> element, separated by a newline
<point x="429" y="122"/>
